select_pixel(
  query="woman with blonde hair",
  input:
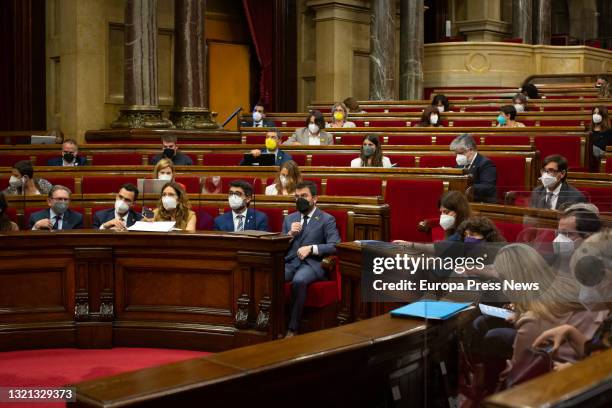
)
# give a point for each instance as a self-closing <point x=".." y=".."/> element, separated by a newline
<point x="173" y="205"/>
<point x="339" y="114"/>
<point x="164" y="170"/>
<point x="286" y="179"/>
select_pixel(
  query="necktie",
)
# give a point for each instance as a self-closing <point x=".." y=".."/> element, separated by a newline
<point x="240" y="226"/>
<point x="305" y="222"/>
<point x="549" y="197"/>
<point x="57" y="219"/>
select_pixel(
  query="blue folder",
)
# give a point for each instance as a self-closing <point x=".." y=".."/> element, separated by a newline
<point x="430" y="309"/>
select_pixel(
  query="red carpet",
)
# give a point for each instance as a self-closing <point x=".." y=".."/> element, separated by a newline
<point x="56" y="367"/>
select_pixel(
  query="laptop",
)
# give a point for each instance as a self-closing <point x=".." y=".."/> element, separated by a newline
<point x="40" y="139"/>
<point x="264" y="159"/>
<point x="150" y="186"/>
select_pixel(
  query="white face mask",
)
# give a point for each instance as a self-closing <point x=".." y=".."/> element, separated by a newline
<point x="446" y="221"/>
<point x="257" y="117"/>
<point x="169" y="203"/>
<point x="433" y="119"/>
<point x="283" y="180"/>
<point x="548" y="180"/>
<point x="121" y="206"/>
<point x="461" y="160"/>
<point x="597" y="118"/>
<point x="440" y="108"/>
<point x="235" y="202"/>
<point x="562" y="244"/>
<point x="313" y="129"/>
<point x="519" y="108"/>
<point x="166" y="177"/>
<point x="15" y="182"/>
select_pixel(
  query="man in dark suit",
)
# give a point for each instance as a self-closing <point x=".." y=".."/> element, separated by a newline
<point x="273" y="139"/>
<point x="314" y="236"/>
<point x="170" y="146"/>
<point x="122" y="216"/>
<point x="555" y="193"/>
<point x="482" y="170"/>
<point x="241" y="218"/>
<point x="259" y="118"/>
<point x="58" y="216"/>
<point x="70" y="156"/>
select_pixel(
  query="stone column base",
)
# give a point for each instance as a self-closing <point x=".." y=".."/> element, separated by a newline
<point x="484" y="30"/>
<point x="193" y="118"/>
<point x="131" y="117"/>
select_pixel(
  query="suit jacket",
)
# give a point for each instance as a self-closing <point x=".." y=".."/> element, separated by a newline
<point x="100" y="217"/>
<point x="225" y="222"/>
<point x="484" y="179"/>
<point x="266" y="123"/>
<point x="179" y="159"/>
<point x="71" y="219"/>
<point x="281" y="157"/>
<point x="302" y="135"/>
<point x="59" y="161"/>
<point x="567" y="195"/>
<point x="320" y="231"/>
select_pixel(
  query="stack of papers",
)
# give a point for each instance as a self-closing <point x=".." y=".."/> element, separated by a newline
<point x="159" y="226"/>
<point x="430" y="309"/>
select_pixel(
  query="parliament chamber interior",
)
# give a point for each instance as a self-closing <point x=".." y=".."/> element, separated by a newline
<point x="386" y="203"/>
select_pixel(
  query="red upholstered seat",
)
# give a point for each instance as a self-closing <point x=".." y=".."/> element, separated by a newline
<point x="389" y="123"/>
<point x="43" y="158"/>
<point x="447" y="139"/>
<point x="8" y="160"/>
<point x="104" y="184"/>
<point x="337" y="186"/>
<point x="254" y="181"/>
<point x="509" y="230"/>
<point x="116" y="159"/>
<point x="478" y="108"/>
<point x="351" y="139"/>
<point x="557" y="122"/>
<point x="11" y="213"/>
<point x="333" y="159"/>
<point x="608" y="168"/>
<point x="222" y="159"/>
<point x="205" y="217"/>
<point x="600" y="196"/>
<point x="299" y="158"/>
<point x="502" y="140"/>
<point x="191" y="183"/>
<point x="471" y="123"/>
<point x="407" y="211"/>
<point x="256" y="139"/>
<point x="438" y="161"/>
<point x="561" y="108"/>
<point x="565" y="145"/>
<point x="404" y="109"/>
<point x="62" y="181"/>
<point x="275" y="217"/>
<point x="510" y="174"/>
<point x="409" y="140"/>
<point x="402" y="160"/>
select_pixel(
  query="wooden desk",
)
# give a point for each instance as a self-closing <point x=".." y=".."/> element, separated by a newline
<point x="351" y="365"/>
<point x="208" y="291"/>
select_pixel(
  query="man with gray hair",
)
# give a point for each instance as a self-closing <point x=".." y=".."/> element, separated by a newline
<point x="482" y="170"/>
<point x="58" y="216"/>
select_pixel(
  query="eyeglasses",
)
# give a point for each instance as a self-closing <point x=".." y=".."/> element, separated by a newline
<point x="550" y="172"/>
<point x="60" y="199"/>
<point x="236" y="193"/>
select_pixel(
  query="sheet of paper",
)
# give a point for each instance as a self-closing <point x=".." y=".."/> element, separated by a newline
<point x="495" y="311"/>
<point x="160" y="226"/>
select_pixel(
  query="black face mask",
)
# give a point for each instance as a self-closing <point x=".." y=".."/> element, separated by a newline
<point x="302" y="205"/>
<point x="169" y="153"/>
<point x="68" y="157"/>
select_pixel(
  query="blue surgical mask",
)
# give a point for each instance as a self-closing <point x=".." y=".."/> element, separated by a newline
<point x="501" y="119"/>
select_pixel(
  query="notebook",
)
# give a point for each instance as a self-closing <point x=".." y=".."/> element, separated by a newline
<point x="430" y="309"/>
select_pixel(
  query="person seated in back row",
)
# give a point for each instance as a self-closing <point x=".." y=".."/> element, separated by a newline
<point x="339" y="117"/>
<point x="430" y="117"/>
<point x="241" y="218"/>
<point x="170" y="151"/>
<point x="313" y="134"/>
<point x="286" y="179"/>
<point x="22" y="181"/>
<point x="371" y="154"/>
<point x="70" y="156"/>
<point x="483" y="170"/>
<point x="314" y="235"/>
<point x="507" y="116"/>
<point x="122" y="215"/>
<point x="258" y="118"/>
<point x="273" y="139"/>
<point x="58" y="216"/>
<point x="555" y="192"/>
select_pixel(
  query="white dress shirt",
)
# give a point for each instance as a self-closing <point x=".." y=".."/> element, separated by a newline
<point x="386" y="163"/>
<point x="118" y="216"/>
<point x="52" y="215"/>
<point x="314" y="140"/>
<point x="236" y="220"/>
<point x="555" y="196"/>
<point x="315" y="249"/>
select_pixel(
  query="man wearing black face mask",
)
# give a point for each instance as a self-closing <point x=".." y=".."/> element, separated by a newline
<point x="70" y="155"/>
<point x="314" y="236"/>
<point x="170" y="146"/>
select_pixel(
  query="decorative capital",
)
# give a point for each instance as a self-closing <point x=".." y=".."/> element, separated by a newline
<point x="193" y="118"/>
<point x="134" y="117"/>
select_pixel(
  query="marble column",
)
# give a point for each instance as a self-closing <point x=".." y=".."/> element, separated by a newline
<point x="140" y="75"/>
<point x="522" y="20"/>
<point x="412" y="22"/>
<point x="382" y="50"/>
<point x="190" y="85"/>
<point x="543" y="23"/>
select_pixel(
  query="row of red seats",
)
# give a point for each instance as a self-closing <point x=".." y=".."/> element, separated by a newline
<point x="447" y="123"/>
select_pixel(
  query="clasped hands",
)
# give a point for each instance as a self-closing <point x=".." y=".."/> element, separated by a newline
<point x="306" y="250"/>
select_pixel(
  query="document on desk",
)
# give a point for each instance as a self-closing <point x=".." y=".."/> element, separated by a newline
<point x="159" y="226"/>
